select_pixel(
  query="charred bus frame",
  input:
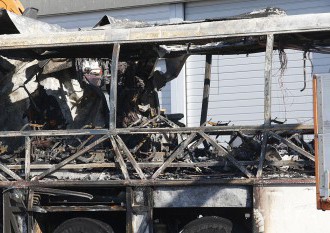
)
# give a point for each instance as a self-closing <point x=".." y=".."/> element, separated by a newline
<point x="271" y="28"/>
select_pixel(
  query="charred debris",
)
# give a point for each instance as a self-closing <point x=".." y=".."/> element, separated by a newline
<point x="55" y="92"/>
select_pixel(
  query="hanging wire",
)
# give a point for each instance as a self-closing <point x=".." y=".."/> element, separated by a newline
<point x="311" y="62"/>
<point x="312" y="67"/>
<point x="305" y="58"/>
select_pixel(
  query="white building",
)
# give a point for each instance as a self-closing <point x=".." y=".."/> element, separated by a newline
<point x="237" y="89"/>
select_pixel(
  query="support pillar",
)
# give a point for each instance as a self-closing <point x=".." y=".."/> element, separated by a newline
<point x="14" y="218"/>
<point x="267" y="99"/>
<point x="140" y="212"/>
<point x="113" y="86"/>
<point x="206" y="91"/>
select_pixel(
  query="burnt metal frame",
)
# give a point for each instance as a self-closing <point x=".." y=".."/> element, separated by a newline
<point x="113" y="133"/>
<point x="185" y="32"/>
<point x="120" y="149"/>
<point x="191" y="141"/>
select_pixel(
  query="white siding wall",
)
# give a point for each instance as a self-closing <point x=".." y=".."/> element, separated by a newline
<point x="89" y="19"/>
<point x="237" y="82"/>
<point x="153" y="14"/>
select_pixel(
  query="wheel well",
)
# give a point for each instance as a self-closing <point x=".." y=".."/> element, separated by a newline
<point x="176" y="218"/>
<point x="50" y="221"/>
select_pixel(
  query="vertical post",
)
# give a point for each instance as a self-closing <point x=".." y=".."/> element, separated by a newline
<point x="27" y="157"/>
<point x="142" y="210"/>
<point x="129" y="210"/>
<point x="113" y="87"/>
<point x="267" y="101"/>
<point x="150" y="206"/>
<point x="29" y="216"/>
<point x="206" y="91"/>
<point x="6" y="212"/>
<point x="268" y="79"/>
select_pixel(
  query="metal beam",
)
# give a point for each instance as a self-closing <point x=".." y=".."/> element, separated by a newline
<point x="27" y="157"/>
<point x="35" y="133"/>
<point x="9" y="172"/>
<point x="129" y="210"/>
<point x="119" y="158"/>
<point x="209" y="129"/>
<point x="3" y="178"/>
<point x="82" y="208"/>
<point x="7" y="213"/>
<point x="267" y="98"/>
<point x="170" y="123"/>
<point x="113" y="87"/>
<point x="268" y="79"/>
<point x="36" y="167"/>
<point x="292" y="146"/>
<point x="130" y="157"/>
<point x="188" y="32"/>
<point x="142" y="214"/>
<point x="61" y="192"/>
<point x="262" y="154"/>
<point x="224" y="153"/>
<point x="206" y="91"/>
<point x="71" y="158"/>
<point x="158" y="182"/>
<point x="173" y="156"/>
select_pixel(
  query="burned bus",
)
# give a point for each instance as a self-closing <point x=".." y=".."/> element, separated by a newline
<point x="86" y="147"/>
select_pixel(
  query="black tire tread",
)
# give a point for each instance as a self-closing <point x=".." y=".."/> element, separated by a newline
<point x="209" y="224"/>
<point x="83" y="225"/>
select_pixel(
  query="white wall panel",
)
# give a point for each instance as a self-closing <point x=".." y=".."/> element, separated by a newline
<point x="89" y="19"/>
<point x="237" y="81"/>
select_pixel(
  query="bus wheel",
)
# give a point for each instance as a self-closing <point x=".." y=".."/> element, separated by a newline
<point x="211" y="224"/>
<point x="83" y="225"/>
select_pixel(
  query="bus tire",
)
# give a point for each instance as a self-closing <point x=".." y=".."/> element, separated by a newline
<point x="83" y="225"/>
<point x="210" y="224"/>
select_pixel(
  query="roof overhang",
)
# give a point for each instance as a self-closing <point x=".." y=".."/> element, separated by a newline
<point x="311" y="28"/>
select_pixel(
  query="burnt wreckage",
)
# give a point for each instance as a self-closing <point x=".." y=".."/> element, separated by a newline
<point x="82" y="129"/>
<point x="56" y="92"/>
